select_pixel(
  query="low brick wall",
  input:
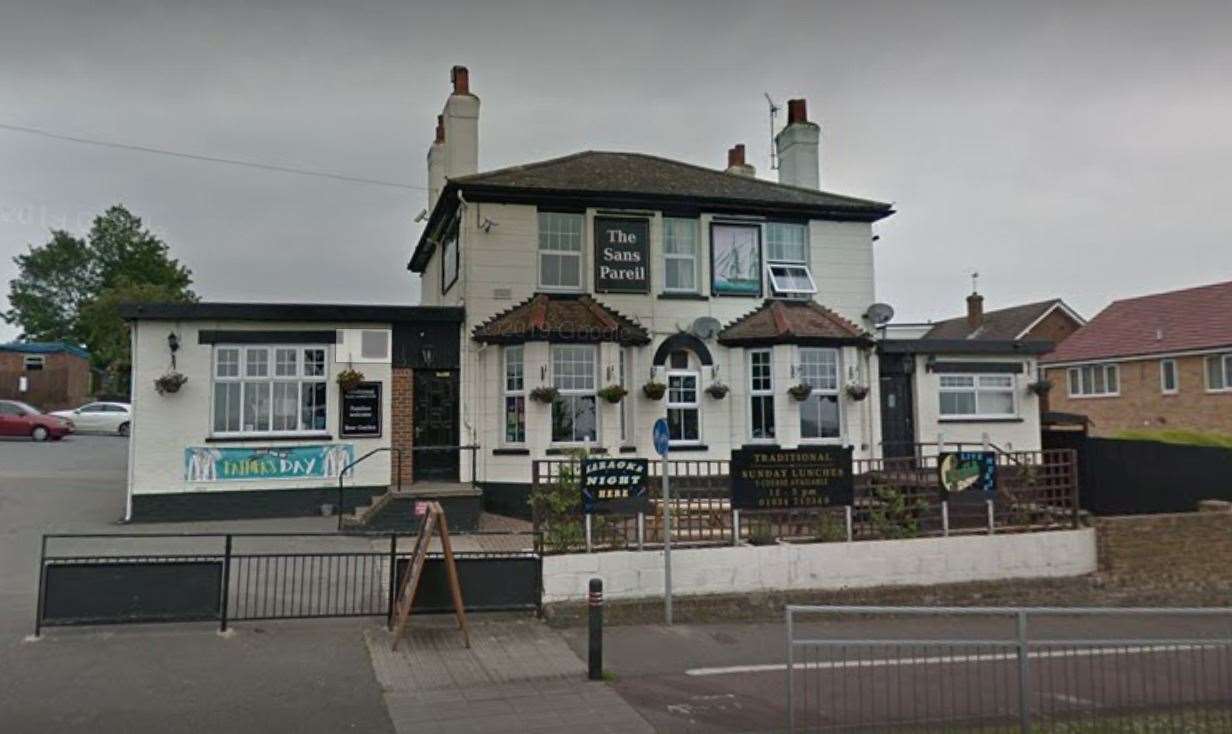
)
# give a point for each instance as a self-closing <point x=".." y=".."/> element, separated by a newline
<point x="821" y="566"/>
<point x="1188" y="551"/>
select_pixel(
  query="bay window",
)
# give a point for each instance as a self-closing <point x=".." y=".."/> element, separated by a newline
<point x="680" y="255"/>
<point x="574" y="411"/>
<point x="819" y="414"/>
<point x="269" y="389"/>
<point x="1093" y="380"/>
<point x="560" y="251"/>
<point x="515" y="396"/>
<point x="683" y="404"/>
<point x="761" y="395"/>
<point x="977" y="396"/>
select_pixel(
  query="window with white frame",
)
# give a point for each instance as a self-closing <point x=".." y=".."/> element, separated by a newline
<point x="1219" y="372"/>
<point x="515" y="395"/>
<point x="625" y="370"/>
<point x="819" y="414"/>
<point x="1093" y="380"/>
<point x="450" y="261"/>
<point x="269" y="389"/>
<point x="683" y="400"/>
<point x="680" y="255"/>
<point x="1169" y="382"/>
<point x="787" y="260"/>
<point x="977" y="396"/>
<point x="34" y="362"/>
<point x="761" y="395"/>
<point x="560" y="251"/>
<point x="575" y="410"/>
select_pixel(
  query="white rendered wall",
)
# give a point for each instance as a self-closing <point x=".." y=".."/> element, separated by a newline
<point x="1019" y="434"/>
<point x="823" y="566"/>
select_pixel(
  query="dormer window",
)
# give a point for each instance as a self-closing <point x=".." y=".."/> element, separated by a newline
<point x="787" y="266"/>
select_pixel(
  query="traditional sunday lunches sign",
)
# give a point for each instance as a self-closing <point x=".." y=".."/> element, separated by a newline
<point x="775" y="479"/>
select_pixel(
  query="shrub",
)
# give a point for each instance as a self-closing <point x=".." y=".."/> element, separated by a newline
<point x="557" y="507"/>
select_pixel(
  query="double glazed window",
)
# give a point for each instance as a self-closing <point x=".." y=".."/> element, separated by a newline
<point x="761" y="396"/>
<point x="977" y="396"/>
<point x="574" y="411"/>
<point x="1219" y="372"/>
<point x="683" y="403"/>
<point x="819" y="414"/>
<point x="787" y="260"/>
<point x="680" y="255"/>
<point x="515" y="396"/>
<point x="1093" y="379"/>
<point x="274" y="389"/>
<point x="560" y="251"/>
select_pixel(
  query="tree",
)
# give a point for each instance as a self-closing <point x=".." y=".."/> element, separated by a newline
<point x="69" y="288"/>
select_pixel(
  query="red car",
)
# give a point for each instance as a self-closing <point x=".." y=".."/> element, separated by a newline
<point x="19" y="419"/>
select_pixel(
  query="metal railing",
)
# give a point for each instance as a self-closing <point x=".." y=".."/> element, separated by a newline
<point x="894" y="498"/>
<point x="1009" y="669"/>
<point x="248" y="576"/>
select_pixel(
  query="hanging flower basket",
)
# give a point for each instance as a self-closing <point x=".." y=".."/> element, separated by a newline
<point x="857" y="392"/>
<point x="613" y="393"/>
<point x="543" y="394"/>
<point x="1040" y="387"/>
<point x="654" y="390"/>
<point x="800" y="392"/>
<point x="170" y="383"/>
<point x="718" y="390"/>
<point x="348" y="379"/>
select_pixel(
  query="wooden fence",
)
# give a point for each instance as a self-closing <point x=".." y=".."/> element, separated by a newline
<point x="894" y="498"/>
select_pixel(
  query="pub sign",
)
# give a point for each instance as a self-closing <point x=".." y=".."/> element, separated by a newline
<point x="361" y="410"/>
<point x="615" y="486"/>
<point x="967" y="474"/>
<point x="622" y="255"/>
<point x="777" y="479"/>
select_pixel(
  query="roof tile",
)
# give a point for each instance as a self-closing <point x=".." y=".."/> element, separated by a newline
<point x="560" y="317"/>
<point x="787" y="321"/>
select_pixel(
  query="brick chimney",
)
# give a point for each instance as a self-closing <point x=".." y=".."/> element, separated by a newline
<point x="975" y="311"/>
<point x="455" y="149"/>
<point x="797" y="146"/>
<point x="736" y="164"/>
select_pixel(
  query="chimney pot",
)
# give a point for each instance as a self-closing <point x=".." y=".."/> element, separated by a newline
<point x="797" y="111"/>
<point x="975" y="311"/>
<point x="735" y="155"/>
<point x="461" y="79"/>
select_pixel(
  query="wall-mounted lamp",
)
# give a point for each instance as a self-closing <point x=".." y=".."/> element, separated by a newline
<point x="173" y="344"/>
<point x="425" y="353"/>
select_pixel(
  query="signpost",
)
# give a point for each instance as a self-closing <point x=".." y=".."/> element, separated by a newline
<point x="661" y="441"/>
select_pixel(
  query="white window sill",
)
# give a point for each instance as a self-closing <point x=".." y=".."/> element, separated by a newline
<point x="244" y="437"/>
<point x="1095" y="397"/>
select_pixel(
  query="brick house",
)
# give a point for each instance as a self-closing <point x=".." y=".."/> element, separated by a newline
<point x="1157" y="361"/>
<point x="47" y="375"/>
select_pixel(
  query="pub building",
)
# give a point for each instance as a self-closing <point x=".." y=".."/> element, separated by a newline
<point x="565" y="304"/>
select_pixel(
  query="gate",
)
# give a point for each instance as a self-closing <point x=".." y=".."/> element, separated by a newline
<point x="1007" y="669"/>
<point x="234" y="577"/>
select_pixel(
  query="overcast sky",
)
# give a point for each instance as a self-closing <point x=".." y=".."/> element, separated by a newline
<point x="1080" y="150"/>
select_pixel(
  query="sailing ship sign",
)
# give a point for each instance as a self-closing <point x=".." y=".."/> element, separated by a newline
<point x="967" y="474"/>
<point x="735" y="254"/>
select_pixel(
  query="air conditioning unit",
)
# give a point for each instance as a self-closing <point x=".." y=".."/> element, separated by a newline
<point x="363" y="346"/>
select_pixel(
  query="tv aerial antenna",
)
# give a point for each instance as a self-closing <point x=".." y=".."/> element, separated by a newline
<point x="774" y="112"/>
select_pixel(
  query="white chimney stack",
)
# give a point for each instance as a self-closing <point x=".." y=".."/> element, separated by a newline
<point x="455" y="151"/>
<point x="797" y="148"/>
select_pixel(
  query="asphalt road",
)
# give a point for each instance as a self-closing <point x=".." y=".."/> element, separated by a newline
<point x="285" y="676"/>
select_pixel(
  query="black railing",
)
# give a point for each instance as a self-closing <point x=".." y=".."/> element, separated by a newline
<point x="177" y="577"/>
<point x="397" y="452"/>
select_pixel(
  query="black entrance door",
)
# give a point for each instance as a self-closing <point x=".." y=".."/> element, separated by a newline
<point x="897" y="411"/>
<point x="436" y="424"/>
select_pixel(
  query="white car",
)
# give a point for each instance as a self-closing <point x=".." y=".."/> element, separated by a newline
<point x="101" y="417"/>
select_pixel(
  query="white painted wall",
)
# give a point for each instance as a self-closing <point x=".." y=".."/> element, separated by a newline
<point x="163" y="426"/>
<point x="1023" y="434"/>
<point x="823" y="566"/>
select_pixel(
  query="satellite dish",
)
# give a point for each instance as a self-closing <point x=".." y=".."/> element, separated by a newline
<point x="705" y="327"/>
<point x="879" y="313"/>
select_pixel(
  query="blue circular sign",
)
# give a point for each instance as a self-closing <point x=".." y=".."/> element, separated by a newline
<point x="660" y="437"/>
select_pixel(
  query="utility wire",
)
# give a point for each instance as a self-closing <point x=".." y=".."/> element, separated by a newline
<point x="209" y="159"/>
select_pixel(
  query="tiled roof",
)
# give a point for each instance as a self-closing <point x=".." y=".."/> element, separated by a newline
<point x="1004" y="323"/>
<point x="777" y="321"/>
<point x="44" y="348"/>
<point x="1177" y="321"/>
<point x="560" y="317"/>
<point x="638" y="173"/>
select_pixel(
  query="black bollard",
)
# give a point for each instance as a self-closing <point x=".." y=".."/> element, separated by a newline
<point x="596" y="629"/>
